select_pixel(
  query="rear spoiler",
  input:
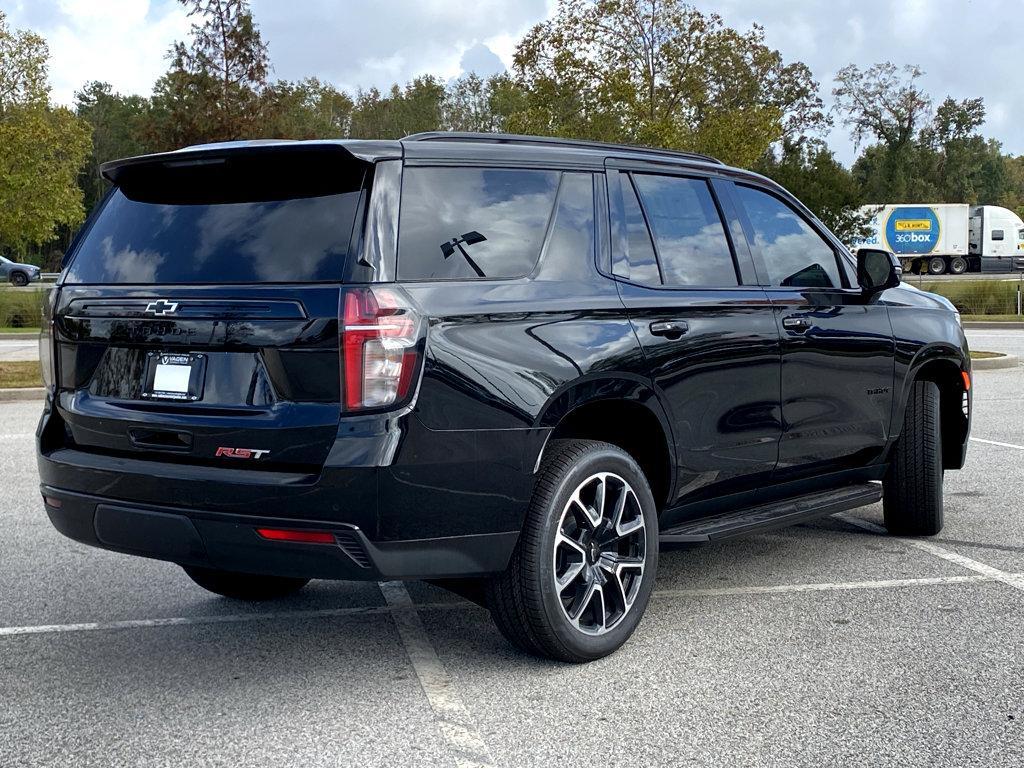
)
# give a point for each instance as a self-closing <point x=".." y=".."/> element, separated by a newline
<point x="362" y="150"/>
<point x="250" y="171"/>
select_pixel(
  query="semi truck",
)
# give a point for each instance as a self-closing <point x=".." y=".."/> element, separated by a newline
<point x="948" y="237"/>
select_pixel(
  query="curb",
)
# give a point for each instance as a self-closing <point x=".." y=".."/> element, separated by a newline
<point x="1003" y="361"/>
<point x="22" y="394"/>
<point x="1011" y="324"/>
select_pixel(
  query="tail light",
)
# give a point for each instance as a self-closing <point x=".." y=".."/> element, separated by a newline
<point x="381" y="335"/>
<point x="46" y="361"/>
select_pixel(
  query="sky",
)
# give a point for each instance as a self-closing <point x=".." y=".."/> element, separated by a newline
<point x="967" y="48"/>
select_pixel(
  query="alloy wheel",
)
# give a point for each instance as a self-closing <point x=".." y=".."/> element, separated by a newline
<point x="599" y="554"/>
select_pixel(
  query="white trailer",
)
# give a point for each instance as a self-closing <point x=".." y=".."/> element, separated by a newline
<point x="948" y="237"/>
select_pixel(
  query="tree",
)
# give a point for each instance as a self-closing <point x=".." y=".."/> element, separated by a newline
<point x="308" y="109"/>
<point x="118" y="126"/>
<point x="882" y="102"/>
<point x="403" y="111"/>
<point x="810" y="171"/>
<point x="42" y="148"/>
<point x="660" y="72"/>
<point x="213" y="89"/>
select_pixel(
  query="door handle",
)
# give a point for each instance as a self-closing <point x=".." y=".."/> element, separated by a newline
<point x="672" y="329"/>
<point x="797" y="323"/>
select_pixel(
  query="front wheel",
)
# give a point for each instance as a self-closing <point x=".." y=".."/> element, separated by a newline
<point x="244" y="587"/>
<point x="912" y="487"/>
<point x="19" y="279"/>
<point x="584" y="568"/>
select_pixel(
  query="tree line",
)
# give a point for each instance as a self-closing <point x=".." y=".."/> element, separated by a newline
<point x="653" y="72"/>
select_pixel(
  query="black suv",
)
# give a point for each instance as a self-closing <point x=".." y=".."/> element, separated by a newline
<point x="504" y="363"/>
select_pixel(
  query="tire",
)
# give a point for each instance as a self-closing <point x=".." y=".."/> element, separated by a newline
<point x="912" y="487"/>
<point x="958" y="265"/>
<point x="936" y="265"/>
<point x="19" y="279"/>
<point x="528" y="607"/>
<point x="244" y="587"/>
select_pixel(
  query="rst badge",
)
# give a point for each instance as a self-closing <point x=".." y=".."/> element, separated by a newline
<point x="227" y="451"/>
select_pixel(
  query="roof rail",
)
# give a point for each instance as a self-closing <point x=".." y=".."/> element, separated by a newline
<point x="550" y="141"/>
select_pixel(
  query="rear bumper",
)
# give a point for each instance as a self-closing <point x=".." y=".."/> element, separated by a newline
<point x="230" y="542"/>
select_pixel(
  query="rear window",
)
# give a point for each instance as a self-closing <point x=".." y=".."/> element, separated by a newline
<point x="302" y="239"/>
<point x="470" y="223"/>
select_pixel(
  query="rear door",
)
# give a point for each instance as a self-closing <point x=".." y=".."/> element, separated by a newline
<point x="197" y="320"/>
<point x="706" y="328"/>
<point x="837" y="350"/>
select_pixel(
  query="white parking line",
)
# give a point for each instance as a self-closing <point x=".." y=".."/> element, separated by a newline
<point x="453" y="718"/>
<point x="998" y="443"/>
<point x="880" y="584"/>
<point x="1007" y="578"/>
<point x="209" y="619"/>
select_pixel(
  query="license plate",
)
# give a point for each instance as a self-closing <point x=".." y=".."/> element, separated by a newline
<point x="174" y="376"/>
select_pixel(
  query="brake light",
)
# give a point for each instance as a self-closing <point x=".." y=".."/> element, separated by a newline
<point x="46" y="361"/>
<point x="380" y="345"/>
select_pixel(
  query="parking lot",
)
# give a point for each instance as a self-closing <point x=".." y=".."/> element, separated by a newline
<point x="829" y="643"/>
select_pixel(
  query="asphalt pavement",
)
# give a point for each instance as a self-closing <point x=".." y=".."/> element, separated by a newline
<point x="828" y="643"/>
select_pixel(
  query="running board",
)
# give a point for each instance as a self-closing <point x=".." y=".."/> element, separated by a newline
<point x="774" y="515"/>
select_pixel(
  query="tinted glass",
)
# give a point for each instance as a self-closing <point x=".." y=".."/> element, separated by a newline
<point x="459" y="223"/>
<point x="638" y="263"/>
<point x="997" y="234"/>
<point x="794" y="254"/>
<point x="692" y="245"/>
<point x="297" y="240"/>
<point x="570" y="248"/>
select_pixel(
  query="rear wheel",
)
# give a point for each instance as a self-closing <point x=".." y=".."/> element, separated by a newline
<point x="19" y="279"/>
<point x="958" y="265"/>
<point x="244" y="587"/>
<point x="913" y="484"/>
<point x="936" y="265"/>
<point x="583" y="570"/>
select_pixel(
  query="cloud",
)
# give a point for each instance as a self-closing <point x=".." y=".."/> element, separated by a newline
<point x="482" y="60"/>
<point x="122" y="42"/>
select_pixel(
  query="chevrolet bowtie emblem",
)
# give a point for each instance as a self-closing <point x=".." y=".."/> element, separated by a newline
<point x="162" y="307"/>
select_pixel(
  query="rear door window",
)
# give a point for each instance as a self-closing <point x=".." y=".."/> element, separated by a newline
<point x="634" y="259"/>
<point x="794" y="254"/>
<point x="692" y="245"/>
<point x="471" y="223"/>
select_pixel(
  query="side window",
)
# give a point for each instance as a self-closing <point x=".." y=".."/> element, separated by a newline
<point x="569" y="252"/>
<point x="794" y="254"/>
<point x="692" y="245"/>
<point x="997" y="234"/>
<point x="638" y="264"/>
<point x="466" y="223"/>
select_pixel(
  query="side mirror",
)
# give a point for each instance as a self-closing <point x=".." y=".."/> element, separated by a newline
<point x="877" y="270"/>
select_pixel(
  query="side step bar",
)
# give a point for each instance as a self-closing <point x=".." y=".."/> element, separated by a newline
<point x="773" y="515"/>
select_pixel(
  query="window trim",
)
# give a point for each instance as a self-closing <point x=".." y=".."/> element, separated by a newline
<point x="761" y="264"/>
<point x="558" y="169"/>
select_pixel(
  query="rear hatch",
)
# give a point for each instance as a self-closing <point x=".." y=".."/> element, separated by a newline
<point x="197" y="320"/>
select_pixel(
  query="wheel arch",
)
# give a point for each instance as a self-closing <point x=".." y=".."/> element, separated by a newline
<point x="623" y="411"/>
<point x="944" y="367"/>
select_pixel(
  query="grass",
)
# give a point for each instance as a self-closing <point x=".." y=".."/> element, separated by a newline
<point x="977" y="297"/>
<point x="21" y="309"/>
<point x="983" y="354"/>
<point x="20" y="373"/>
<point x="995" y="318"/>
<point x="27" y="331"/>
